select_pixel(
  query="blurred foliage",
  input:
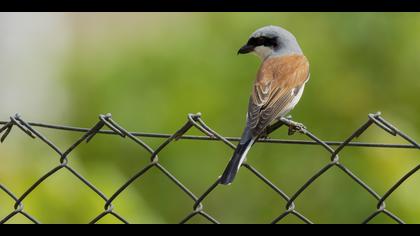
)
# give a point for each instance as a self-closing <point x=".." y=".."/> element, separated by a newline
<point x="151" y="69"/>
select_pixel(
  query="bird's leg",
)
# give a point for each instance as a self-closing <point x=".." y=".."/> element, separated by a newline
<point x="293" y="126"/>
<point x="264" y="134"/>
<point x="273" y="127"/>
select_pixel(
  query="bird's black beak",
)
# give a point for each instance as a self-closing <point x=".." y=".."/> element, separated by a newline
<point x="246" y="49"/>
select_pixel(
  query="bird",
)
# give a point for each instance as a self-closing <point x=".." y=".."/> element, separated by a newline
<point x="278" y="87"/>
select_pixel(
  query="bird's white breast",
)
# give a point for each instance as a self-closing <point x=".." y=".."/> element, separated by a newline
<point x="294" y="101"/>
<point x="297" y="98"/>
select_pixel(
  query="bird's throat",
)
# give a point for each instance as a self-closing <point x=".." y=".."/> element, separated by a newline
<point x="263" y="52"/>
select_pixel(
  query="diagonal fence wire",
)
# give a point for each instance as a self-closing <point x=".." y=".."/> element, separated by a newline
<point x="107" y="126"/>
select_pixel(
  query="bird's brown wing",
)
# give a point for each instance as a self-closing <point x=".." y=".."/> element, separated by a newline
<point x="278" y="82"/>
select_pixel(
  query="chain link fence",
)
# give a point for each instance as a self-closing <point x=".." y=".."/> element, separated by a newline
<point x="106" y="125"/>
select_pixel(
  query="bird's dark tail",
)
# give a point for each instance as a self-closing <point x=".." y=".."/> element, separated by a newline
<point x="238" y="158"/>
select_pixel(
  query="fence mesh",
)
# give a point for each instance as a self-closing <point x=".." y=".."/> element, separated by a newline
<point x="106" y="125"/>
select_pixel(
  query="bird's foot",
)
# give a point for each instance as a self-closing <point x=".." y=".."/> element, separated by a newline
<point x="294" y="126"/>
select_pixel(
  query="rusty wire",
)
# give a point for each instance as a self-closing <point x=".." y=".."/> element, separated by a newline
<point x="195" y="121"/>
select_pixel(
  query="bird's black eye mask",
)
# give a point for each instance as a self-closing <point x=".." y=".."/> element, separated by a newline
<point x="263" y="41"/>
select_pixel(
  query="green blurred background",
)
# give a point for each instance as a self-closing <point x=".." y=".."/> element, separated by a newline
<point x="151" y="69"/>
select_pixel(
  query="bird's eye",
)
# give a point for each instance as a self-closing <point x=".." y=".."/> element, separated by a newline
<point x="252" y="41"/>
<point x="271" y="42"/>
<point x="261" y="41"/>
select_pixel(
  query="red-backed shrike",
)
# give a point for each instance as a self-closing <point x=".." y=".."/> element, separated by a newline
<point x="277" y="89"/>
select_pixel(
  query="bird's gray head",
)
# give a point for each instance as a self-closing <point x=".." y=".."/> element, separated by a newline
<point x="271" y="40"/>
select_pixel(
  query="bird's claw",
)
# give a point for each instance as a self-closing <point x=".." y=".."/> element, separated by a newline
<point x="296" y="127"/>
<point x="293" y="126"/>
